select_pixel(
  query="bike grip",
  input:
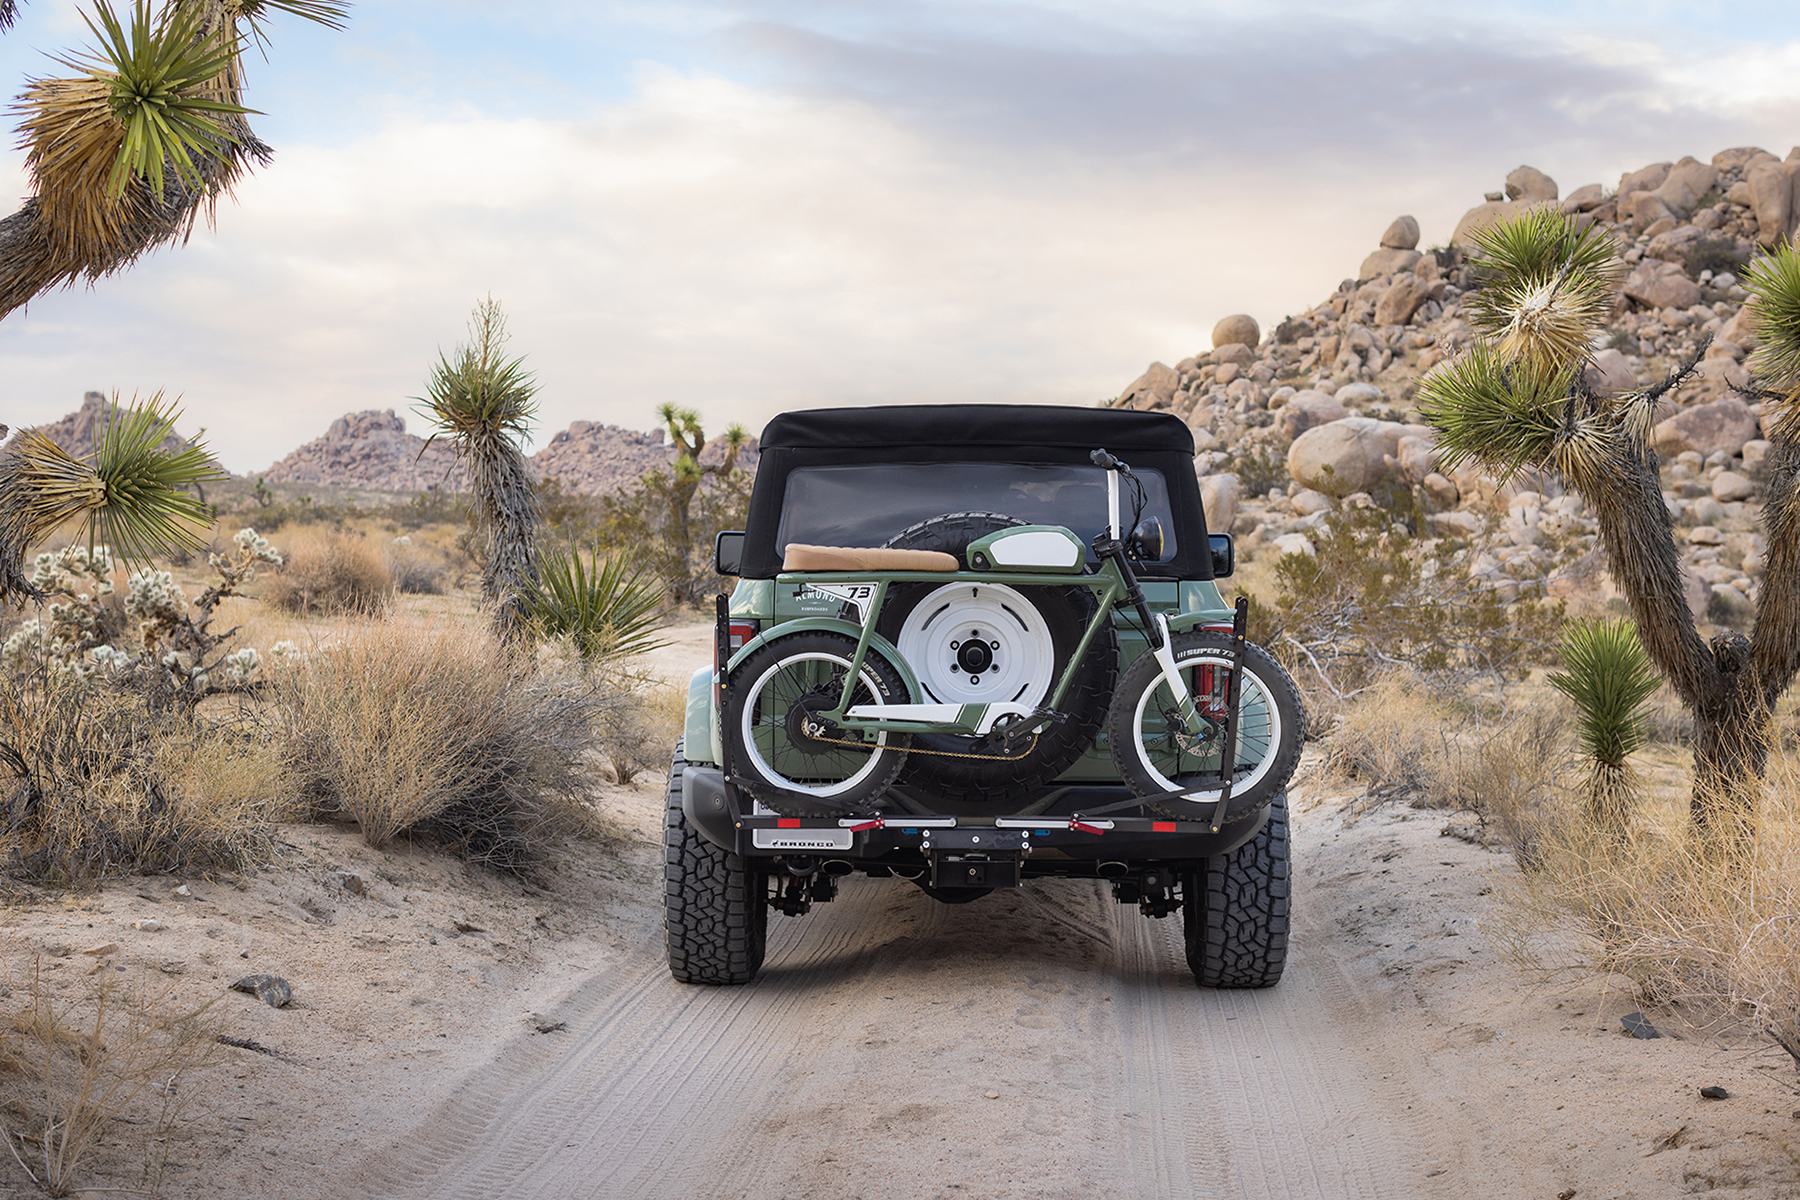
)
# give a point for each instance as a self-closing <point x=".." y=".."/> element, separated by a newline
<point x="1103" y="460"/>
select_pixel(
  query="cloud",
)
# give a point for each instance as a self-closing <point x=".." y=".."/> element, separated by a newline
<point x="855" y="204"/>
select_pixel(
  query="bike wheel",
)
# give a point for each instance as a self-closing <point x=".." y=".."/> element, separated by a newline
<point x="795" y="765"/>
<point x="1156" y="753"/>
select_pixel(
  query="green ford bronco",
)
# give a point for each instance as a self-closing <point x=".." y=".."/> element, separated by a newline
<point x="970" y="646"/>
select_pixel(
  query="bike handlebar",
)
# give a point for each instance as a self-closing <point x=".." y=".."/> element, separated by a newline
<point x="1105" y="461"/>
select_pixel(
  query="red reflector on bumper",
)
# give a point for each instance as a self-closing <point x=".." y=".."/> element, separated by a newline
<point x="1162" y="827"/>
<point x="788" y="823"/>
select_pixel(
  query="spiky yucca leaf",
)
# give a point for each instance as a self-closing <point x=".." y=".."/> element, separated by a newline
<point x="162" y="83"/>
<point x="1544" y="286"/>
<point x="480" y="393"/>
<point x="1503" y="415"/>
<point x="147" y="509"/>
<point x="607" y="608"/>
<point x="9" y="11"/>
<point x="1610" y="679"/>
<point x="1774" y="286"/>
<point x="41" y="486"/>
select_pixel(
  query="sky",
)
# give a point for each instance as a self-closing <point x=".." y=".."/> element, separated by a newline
<point x="749" y="207"/>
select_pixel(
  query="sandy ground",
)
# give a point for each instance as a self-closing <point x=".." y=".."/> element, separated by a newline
<point x="456" y="1034"/>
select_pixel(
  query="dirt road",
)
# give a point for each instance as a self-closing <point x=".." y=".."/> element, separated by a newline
<point x="861" y="1064"/>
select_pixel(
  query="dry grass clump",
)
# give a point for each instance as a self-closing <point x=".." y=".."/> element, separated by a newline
<point x="641" y="724"/>
<point x="74" y="1072"/>
<point x="94" y="783"/>
<point x="431" y="731"/>
<point x="415" y="570"/>
<point x="1717" y="931"/>
<point x="330" y="572"/>
<point x="1407" y="742"/>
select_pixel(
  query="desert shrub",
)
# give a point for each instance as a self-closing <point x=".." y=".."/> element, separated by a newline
<point x="642" y="523"/>
<point x="1712" y="253"/>
<point x="604" y="608"/>
<point x="415" y="570"/>
<point x="640" y="725"/>
<point x="433" y="506"/>
<point x="80" y="1072"/>
<point x="330" y="572"/>
<point x="96" y="782"/>
<point x="1718" y="933"/>
<point x="1371" y="600"/>
<point x="429" y="732"/>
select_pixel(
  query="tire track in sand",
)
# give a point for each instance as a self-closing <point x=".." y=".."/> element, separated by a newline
<point x="859" y="1065"/>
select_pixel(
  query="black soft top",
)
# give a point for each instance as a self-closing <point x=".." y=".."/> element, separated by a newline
<point x="1025" y="434"/>
<point x="1019" y="427"/>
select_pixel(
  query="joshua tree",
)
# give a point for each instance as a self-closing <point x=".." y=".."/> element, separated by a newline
<point x="482" y="399"/>
<point x="142" y="141"/>
<point x="687" y="472"/>
<point x="132" y="492"/>
<point x="1518" y="398"/>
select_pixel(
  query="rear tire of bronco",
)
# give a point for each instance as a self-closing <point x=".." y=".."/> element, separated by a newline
<point x="715" y="918"/>
<point x="1235" y="910"/>
<point x="985" y="785"/>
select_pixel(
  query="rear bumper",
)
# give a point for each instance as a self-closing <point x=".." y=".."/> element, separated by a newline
<point x="1050" y="843"/>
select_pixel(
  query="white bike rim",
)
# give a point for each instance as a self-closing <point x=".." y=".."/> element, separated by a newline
<point x="1014" y="633"/>
<point x="1239" y="784"/>
<point x="747" y="728"/>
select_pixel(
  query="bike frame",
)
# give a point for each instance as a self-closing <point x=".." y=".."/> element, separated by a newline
<point x="1114" y="585"/>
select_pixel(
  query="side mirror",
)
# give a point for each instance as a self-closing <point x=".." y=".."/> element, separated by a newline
<point x="1224" y="555"/>
<point x="728" y="552"/>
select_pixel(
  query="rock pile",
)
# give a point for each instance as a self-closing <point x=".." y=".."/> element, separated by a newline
<point x="75" y="433"/>
<point x="373" y="450"/>
<point x="1321" y="414"/>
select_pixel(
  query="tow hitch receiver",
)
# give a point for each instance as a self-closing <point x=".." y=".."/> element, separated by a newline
<point x="975" y="870"/>
<point x="975" y="857"/>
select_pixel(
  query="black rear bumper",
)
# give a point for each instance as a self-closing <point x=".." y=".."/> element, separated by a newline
<point x="1056" y="841"/>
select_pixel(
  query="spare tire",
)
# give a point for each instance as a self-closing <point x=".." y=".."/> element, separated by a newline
<point x="1026" y="637"/>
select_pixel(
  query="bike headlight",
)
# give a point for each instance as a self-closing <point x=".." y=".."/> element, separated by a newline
<point x="1146" y="541"/>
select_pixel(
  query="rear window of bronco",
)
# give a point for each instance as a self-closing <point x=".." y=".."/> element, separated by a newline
<point x="867" y="504"/>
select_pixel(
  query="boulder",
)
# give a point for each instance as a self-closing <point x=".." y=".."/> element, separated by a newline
<point x="1418" y="457"/>
<point x="1443" y="493"/>
<point x="1310" y="409"/>
<point x="1756" y="455"/>
<point x="1345" y="456"/>
<point x="1352" y="394"/>
<point x="1644" y="179"/>
<point x="1234" y="352"/>
<point x="1403" y="234"/>
<point x="1610" y="372"/>
<point x="1530" y="184"/>
<point x="1696" y="591"/>
<point x="1404" y="298"/>
<point x="1238" y="329"/>
<point x="1673" y="245"/>
<point x="1307" y="502"/>
<point x="1155" y="388"/>
<point x="1658" y="284"/>
<point x="1219" y="497"/>
<point x="1772" y="199"/>
<point x="1731" y="486"/>
<point x="1481" y="217"/>
<point x="1583" y="199"/>
<point x="1293" y="543"/>
<point x="1737" y="156"/>
<point x="1645" y="209"/>
<point x="1686" y="182"/>
<point x="1706" y="429"/>
<point x="1387" y="262"/>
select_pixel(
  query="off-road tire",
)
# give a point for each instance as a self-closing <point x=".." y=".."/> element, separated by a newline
<point x="715" y="919"/>
<point x="779" y="792"/>
<point x="1255" y="779"/>
<point x="976" y="786"/>
<point x="1235" y="910"/>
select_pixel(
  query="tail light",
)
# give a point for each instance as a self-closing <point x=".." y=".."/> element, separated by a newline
<point x="741" y="633"/>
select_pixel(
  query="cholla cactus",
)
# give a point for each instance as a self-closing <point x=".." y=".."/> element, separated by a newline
<point x="28" y="646"/>
<point x="286" y="654"/>
<point x="240" y="665"/>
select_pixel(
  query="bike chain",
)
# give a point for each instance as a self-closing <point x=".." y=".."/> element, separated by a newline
<point x="938" y="753"/>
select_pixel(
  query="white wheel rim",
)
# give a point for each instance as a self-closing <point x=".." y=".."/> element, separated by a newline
<point x="1017" y="659"/>
<point x="1259" y="725"/>
<point x="748" y="727"/>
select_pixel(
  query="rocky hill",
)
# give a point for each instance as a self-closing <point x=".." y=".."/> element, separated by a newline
<point x="1320" y="413"/>
<point x="75" y="432"/>
<point x="374" y="450"/>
